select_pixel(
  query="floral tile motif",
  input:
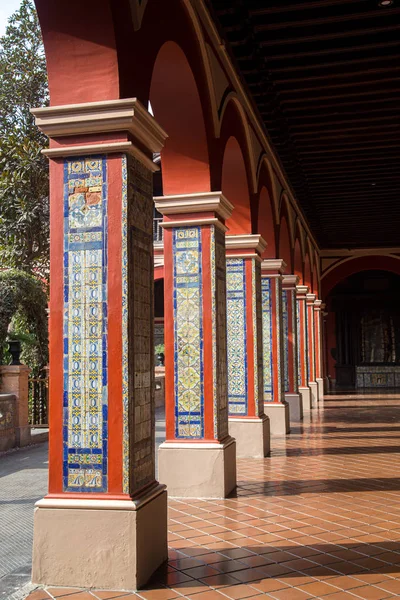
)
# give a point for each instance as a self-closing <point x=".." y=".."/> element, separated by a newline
<point x="188" y="320"/>
<point x="85" y="325"/>
<point x="267" y="337"/>
<point x="285" y="319"/>
<point x="236" y="336"/>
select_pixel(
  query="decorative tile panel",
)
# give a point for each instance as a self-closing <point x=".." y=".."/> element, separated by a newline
<point x="85" y="431"/>
<point x="279" y="387"/>
<point x="221" y="382"/>
<point x="267" y="337"/>
<point x="138" y="321"/>
<point x="188" y="323"/>
<point x="296" y="344"/>
<point x="258" y="347"/>
<point x="285" y="320"/>
<point x="379" y="376"/>
<point x="236" y="336"/>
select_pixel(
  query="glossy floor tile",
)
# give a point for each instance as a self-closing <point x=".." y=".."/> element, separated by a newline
<point x="319" y="518"/>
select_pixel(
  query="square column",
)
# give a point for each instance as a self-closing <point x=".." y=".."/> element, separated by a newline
<point x="198" y="458"/>
<point x="275" y="405"/>
<point x="312" y="384"/>
<point x="103" y="523"/>
<point x="318" y="347"/>
<point x="248" y="423"/>
<point x="289" y="311"/>
<point x="302" y="347"/>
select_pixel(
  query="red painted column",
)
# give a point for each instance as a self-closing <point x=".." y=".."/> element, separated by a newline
<point x="312" y="384"/>
<point x="318" y="347"/>
<point x="301" y="293"/>
<point x="324" y="348"/>
<point x="275" y="405"/>
<point x="196" y="402"/>
<point x="102" y="487"/>
<point x="292" y="396"/>
<point x="248" y="423"/>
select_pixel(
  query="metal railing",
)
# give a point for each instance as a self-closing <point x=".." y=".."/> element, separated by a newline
<point x="38" y="401"/>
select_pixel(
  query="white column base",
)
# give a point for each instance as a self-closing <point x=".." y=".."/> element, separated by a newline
<point x="252" y="436"/>
<point x="279" y="419"/>
<point x="295" y="406"/>
<point x="320" y="383"/>
<point x="110" y="544"/>
<point x="313" y="385"/>
<point x="305" y="393"/>
<point x="198" y="470"/>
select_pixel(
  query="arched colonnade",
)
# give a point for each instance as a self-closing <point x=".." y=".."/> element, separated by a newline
<point x="241" y="282"/>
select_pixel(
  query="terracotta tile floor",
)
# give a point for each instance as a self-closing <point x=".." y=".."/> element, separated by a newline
<point x="320" y="518"/>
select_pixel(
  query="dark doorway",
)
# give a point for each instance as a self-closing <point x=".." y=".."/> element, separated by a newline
<point x="367" y="316"/>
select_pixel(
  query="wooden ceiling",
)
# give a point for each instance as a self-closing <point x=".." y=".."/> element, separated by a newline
<point x="325" y="77"/>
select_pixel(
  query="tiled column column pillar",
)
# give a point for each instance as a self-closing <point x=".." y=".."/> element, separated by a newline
<point x="302" y="354"/>
<point x="275" y="405"/>
<point x="103" y="523"/>
<point x="318" y="348"/>
<point x="312" y="384"/>
<point x="248" y="423"/>
<point x="289" y="310"/>
<point x="198" y="458"/>
<point x="324" y="346"/>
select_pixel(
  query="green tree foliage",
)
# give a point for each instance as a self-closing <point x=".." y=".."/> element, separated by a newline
<point x="23" y="304"/>
<point x="24" y="207"/>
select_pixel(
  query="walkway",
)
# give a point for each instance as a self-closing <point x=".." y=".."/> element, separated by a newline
<point x="320" y="518"/>
<point x="23" y="481"/>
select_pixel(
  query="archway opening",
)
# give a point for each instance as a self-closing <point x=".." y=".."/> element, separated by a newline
<point x="364" y="342"/>
<point x="298" y="261"/>
<point x="284" y="245"/>
<point x="176" y="103"/>
<point x="266" y="226"/>
<point x="235" y="188"/>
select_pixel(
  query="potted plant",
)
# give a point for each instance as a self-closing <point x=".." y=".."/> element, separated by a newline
<point x="159" y="350"/>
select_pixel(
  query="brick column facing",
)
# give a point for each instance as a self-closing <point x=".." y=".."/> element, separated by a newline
<point x="104" y="522"/>
<point x="198" y="458"/>
<point x="312" y="384"/>
<point x="318" y="347"/>
<point x="302" y="353"/>
<point x="275" y="405"/>
<point x="248" y="423"/>
<point x="289" y="305"/>
<point x="14" y="380"/>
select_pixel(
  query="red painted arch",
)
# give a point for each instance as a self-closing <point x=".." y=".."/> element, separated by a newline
<point x="362" y="263"/>
<point x="81" y="50"/>
<point x="177" y="108"/>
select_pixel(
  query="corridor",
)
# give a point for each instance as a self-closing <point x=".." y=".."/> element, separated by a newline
<point x="319" y="518"/>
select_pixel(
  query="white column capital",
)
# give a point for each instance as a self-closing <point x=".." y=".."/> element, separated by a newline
<point x="317" y="304"/>
<point x="311" y="298"/>
<point x="290" y="282"/>
<point x="127" y="115"/>
<point x="302" y="291"/>
<point x="245" y="241"/>
<point x="273" y="266"/>
<point x="202" y="202"/>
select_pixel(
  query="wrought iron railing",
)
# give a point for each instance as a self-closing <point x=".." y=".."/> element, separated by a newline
<point x="157" y="229"/>
<point x="39" y="401"/>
